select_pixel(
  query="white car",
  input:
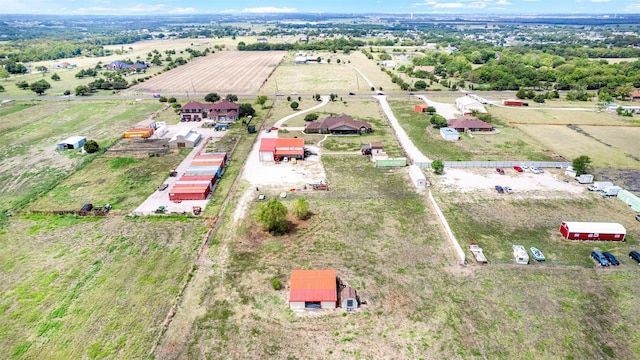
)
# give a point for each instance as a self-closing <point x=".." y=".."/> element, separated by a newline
<point x="526" y="168"/>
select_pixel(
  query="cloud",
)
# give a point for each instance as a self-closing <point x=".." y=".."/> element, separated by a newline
<point x="183" y="11"/>
<point x="269" y="9"/>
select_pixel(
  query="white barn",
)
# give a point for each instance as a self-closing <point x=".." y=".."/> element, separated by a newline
<point x="467" y="105"/>
<point x="449" y="134"/>
<point x="186" y="137"/>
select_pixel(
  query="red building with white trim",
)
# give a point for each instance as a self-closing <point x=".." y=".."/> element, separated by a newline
<point x="592" y="231"/>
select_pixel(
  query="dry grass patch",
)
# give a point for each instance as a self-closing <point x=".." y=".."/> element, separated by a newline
<point x="555" y="117"/>
<point x="573" y="143"/>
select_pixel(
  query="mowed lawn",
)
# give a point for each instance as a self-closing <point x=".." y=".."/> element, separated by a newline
<point x="87" y="287"/>
<point x="382" y="238"/>
<point x="30" y="163"/>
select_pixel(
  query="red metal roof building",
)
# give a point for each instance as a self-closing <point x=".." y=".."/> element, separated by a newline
<point x="592" y="231"/>
<point x="272" y="148"/>
<point x="313" y="289"/>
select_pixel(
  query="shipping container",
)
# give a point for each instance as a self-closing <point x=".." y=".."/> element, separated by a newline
<point x="512" y="103"/>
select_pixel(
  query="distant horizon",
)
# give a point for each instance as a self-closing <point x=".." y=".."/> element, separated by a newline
<point x="328" y="7"/>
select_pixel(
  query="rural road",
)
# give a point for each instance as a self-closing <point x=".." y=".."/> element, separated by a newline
<point x="415" y="155"/>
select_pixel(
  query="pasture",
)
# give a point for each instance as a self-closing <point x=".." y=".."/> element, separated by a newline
<point x="29" y="161"/>
<point x="382" y="238"/>
<point x="223" y="72"/>
<point x="324" y="78"/>
<point x="87" y="287"/>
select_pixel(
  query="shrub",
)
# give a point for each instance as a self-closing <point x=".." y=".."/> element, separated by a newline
<point x="276" y="284"/>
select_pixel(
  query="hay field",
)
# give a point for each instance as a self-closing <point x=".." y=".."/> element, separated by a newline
<point x="602" y="146"/>
<point x="227" y="72"/>
<point x="325" y="78"/>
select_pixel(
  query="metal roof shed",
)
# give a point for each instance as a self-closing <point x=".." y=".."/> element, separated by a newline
<point x="313" y="289"/>
<point x="72" y="142"/>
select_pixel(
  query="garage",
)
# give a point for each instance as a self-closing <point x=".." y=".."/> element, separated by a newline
<point x="313" y="289"/>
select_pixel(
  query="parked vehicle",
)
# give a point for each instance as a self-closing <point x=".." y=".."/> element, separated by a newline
<point x="638" y="217"/>
<point x="520" y="254"/>
<point x="268" y="130"/>
<point x="508" y="189"/>
<point x="525" y="168"/>
<point x="634" y="255"/>
<point x="499" y="189"/>
<point x="273" y="128"/>
<point x="518" y="168"/>
<point x="500" y="171"/>
<point x="163" y="187"/>
<point x="379" y="93"/>
<point x="599" y="185"/>
<point x="352" y="93"/>
<point x="610" y="191"/>
<point x="537" y="254"/>
<point x="585" y="179"/>
<point x="612" y="259"/>
<point x="87" y="207"/>
<point x="599" y="258"/>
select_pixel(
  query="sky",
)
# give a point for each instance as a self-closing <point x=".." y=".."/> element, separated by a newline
<point x="160" y="7"/>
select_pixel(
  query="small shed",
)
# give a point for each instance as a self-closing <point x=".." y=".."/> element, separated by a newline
<point x="313" y="289"/>
<point x="72" y="142"/>
<point x="449" y="134"/>
<point x="592" y="231"/>
<point x="149" y="123"/>
<point x="348" y="298"/>
<point x="417" y="177"/>
<point x="421" y="108"/>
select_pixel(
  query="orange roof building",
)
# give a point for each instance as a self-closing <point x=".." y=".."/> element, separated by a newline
<point x="272" y="148"/>
<point x="313" y="289"/>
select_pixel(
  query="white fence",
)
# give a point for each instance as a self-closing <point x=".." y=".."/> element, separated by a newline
<point x="497" y="164"/>
<point x="454" y="241"/>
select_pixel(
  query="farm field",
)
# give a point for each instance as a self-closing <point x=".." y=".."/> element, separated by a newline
<point x="223" y="72"/>
<point x="90" y="287"/>
<point x="542" y="116"/>
<point x="29" y="162"/>
<point x="327" y="78"/>
<point x="382" y="238"/>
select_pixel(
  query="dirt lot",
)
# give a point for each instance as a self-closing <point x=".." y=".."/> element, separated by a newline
<point x="550" y="184"/>
<point x="226" y="72"/>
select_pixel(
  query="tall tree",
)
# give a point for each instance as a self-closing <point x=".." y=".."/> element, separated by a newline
<point x="246" y="110"/>
<point x="212" y="97"/>
<point x="40" y="86"/>
<point x="581" y="164"/>
<point x="301" y="208"/>
<point x="273" y="216"/>
<point x="437" y="166"/>
<point x="231" y="97"/>
<point x="261" y="100"/>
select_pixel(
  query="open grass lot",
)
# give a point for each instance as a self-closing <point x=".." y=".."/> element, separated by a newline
<point x="222" y="72"/>
<point x="29" y="162"/>
<point x="606" y="147"/>
<point x="542" y="116"/>
<point x="327" y="78"/>
<point x="381" y="237"/>
<point x="87" y="287"/>
<point x="120" y="180"/>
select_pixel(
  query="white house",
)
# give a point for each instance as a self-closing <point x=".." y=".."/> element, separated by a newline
<point x="449" y="134"/>
<point x="389" y="64"/>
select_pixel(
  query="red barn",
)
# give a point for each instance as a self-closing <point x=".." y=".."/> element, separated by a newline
<point x="592" y="231"/>
<point x="421" y="108"/>
<point x="313" y="289"/>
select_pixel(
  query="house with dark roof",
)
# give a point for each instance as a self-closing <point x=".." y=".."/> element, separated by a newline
<point x="469" y="124"/>
<point x="121" y="65"/>
<point x="223" y="112"/>
<point x="338" y="125"/>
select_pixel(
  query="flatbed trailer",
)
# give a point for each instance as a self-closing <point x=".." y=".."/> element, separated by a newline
<point x="477" y="252"/>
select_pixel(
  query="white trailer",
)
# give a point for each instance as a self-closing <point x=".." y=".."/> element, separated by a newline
<point x="585" y="179"/>
<point x="520" y="255"/>
<point x="599" y="185"/>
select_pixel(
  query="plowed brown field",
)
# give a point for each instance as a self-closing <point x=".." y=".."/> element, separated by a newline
<point x="225" y="72"/>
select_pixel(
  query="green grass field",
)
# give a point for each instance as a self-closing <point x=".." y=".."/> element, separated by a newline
<point x="88" y="287"/>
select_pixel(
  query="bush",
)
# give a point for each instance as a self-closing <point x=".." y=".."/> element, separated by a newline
<point x="276" y="284"/>
<point x="91" y="146"/>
